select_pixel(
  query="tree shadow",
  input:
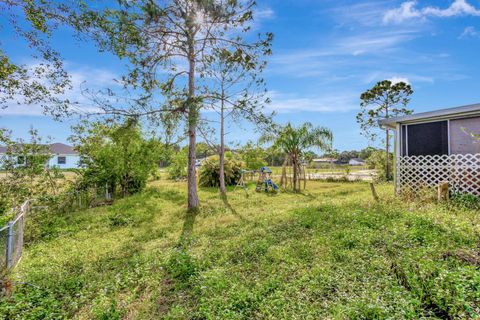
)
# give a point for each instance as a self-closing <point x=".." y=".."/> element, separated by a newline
<point x="187" y="229"/>
<point x="227" y="204"/>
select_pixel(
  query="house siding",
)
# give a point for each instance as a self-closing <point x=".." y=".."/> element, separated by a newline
<point x="72" y="161"/>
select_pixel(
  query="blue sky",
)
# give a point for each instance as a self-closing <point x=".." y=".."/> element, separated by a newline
<point x="325" y="54"/>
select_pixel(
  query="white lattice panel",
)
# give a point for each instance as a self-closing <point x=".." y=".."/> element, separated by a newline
<point x="462" y="171"/>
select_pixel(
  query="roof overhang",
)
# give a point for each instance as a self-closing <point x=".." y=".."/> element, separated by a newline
<point x="437" y="115"/>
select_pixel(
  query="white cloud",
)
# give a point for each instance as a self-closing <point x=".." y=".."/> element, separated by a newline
<point x="470" y="32"/>
<point x="336" y="102"/>
<point x="409" y="78"/>
<point x="404" y="12"/>
<point x="337" y="57"/>
<point x="264" y="13"/>
<point x="395" y="80"/>
<point x="408" y="11"/>
<point x="81" y="77"/>
<point x="457" y="8"/>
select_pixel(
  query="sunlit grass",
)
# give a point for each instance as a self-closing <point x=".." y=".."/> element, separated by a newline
<point x="330" y="252"/>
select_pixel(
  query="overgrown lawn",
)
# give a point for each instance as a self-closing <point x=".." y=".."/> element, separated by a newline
<point x="328" y="253"/>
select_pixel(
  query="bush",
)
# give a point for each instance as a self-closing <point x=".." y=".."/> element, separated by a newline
<point x="178" y="167"/>
<point x="377" y="161"/>
<point x="115" y="154"/>
<point x="467" y="201"/>
<point x="210" y="172"/>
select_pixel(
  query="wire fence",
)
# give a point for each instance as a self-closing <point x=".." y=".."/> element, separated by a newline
<point x="12" y="235"/>
<point x="11" y="238"/>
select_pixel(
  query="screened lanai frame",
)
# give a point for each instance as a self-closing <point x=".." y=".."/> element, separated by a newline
<point x="414" y="172"/>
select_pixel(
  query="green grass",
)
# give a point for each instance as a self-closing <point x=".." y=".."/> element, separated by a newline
<point x="329" y="253"/>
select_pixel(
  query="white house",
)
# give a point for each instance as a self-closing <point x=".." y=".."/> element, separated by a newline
<point x="356" y="162"/>
<point x="62" y="156"/>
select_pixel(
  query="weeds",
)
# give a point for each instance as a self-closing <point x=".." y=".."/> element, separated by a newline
<point x="332" y="254"/>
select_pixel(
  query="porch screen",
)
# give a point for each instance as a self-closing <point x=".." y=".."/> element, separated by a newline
<point x="463" y="136"/>
<point x="427" y="139"/>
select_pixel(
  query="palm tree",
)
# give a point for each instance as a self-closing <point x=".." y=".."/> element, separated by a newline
<point x="295" y="141"/>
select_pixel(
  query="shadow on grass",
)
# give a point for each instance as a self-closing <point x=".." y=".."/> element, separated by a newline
<point x="187" y="229"/>
<point x="229" y="207"/>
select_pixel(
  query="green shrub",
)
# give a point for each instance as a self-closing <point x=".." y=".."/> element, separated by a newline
<point x="115" y="154"/>
<point x="377" y="161"/>
<point x="181" y="265"/>
<point x="178" y="167"/>
<point x="210" y="171"/>
<point x="467" y="201"/>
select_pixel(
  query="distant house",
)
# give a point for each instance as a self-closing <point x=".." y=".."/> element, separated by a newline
<point x="62" y="156"/>
<point x="356" y="162"/>
<point x="438" y="146"/>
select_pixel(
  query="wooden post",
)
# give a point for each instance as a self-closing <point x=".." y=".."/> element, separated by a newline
<point x="374" y="192"/>
<point x="442" y="191"/>
<point x="9" y="246"/>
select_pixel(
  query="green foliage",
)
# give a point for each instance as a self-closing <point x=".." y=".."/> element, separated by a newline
<point x="467" y="201"/>
<point x="181" y="265"/>
<point x="25" y="173"/>
<point x="296" y="141"/>
<point x="43" y="82"/>
<point x="210" y="171"/>
<point x="377" y="161"/>
<point x="203" y="150"/>
<point x="385" y="100"/>
<point x="253" y="156"/>
<point x="328" y="254"/>
<point x="178" y="167"/>
<point x="116" y="155"/>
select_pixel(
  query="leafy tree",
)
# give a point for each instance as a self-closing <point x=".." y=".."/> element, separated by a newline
<point x="204" y="150"/>
<point x="236" y="91"/>
<point x="25" y="172"/>
<point x="295" y="141"/>
<point x="116" y="155"/>
<point x="45" y="80"/>
<point x="383" y="101"/>
<point x="253" y="156"/>
<point x="273" y="156"/>
<point x="377" y="161"/>
<point x="168" y="44"/>
<point x="178" y="167"/>
<point x="366" y="153"/>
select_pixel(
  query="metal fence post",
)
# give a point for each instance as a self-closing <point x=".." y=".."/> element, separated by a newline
<point x="9" y="251"/>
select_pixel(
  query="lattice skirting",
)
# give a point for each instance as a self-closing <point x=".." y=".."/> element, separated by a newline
<point x="462" y="171"/>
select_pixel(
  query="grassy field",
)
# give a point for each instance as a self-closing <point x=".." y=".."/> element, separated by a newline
<point x="331" y="253"/>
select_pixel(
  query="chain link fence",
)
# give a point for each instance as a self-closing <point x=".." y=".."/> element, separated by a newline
<point x="11" y="238"/>
<point x="12" y="234"/>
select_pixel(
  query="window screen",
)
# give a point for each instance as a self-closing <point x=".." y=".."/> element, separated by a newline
<point x="428" y="139"/>
<point x="62" y="160"/>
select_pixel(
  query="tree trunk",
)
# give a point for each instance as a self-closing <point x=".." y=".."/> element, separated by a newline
<point x="387" y="155"/>
<point x="295" y="172"/>
<point x="223" y="190"/>
<point x="192" y="134"/>
<point x="283" y="179"/>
